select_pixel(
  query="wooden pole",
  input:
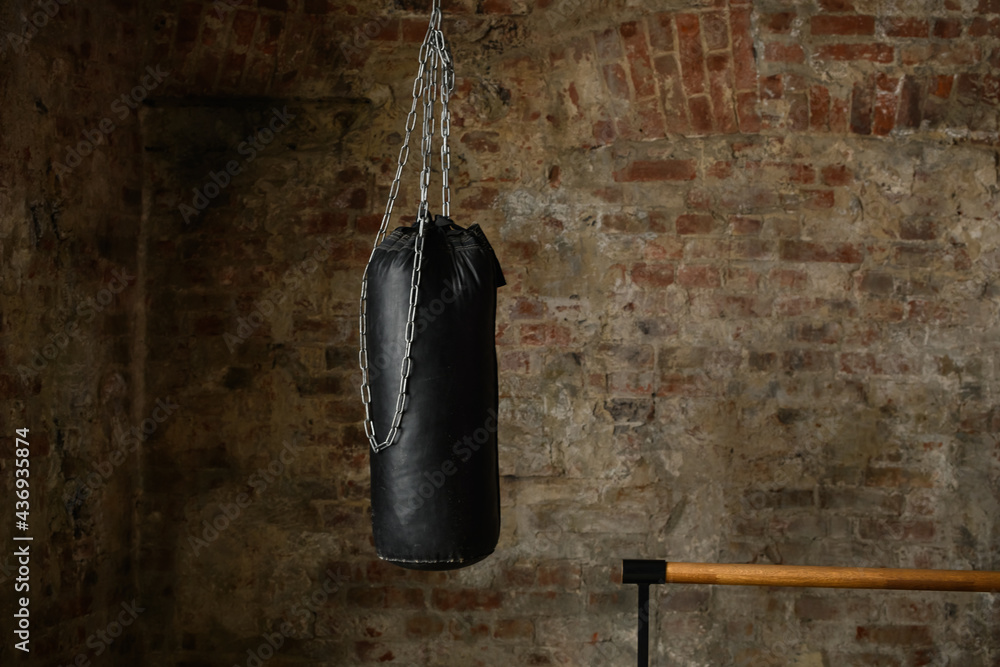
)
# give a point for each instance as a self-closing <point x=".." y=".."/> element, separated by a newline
<point x="971" y="581"/>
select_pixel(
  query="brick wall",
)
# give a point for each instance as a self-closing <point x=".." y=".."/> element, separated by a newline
<point x="750" y="316"/>
<point x="69" y="206"/>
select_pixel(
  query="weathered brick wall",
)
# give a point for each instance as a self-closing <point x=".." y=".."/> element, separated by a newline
<point x="750" y="250"/>
<point x="69" y="207"/>
<point x="751" y="316"/>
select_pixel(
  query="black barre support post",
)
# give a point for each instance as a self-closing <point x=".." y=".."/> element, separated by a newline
<point x="643" y="573"/>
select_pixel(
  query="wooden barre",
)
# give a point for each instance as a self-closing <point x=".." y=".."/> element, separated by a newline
<point x="656" y="571"/>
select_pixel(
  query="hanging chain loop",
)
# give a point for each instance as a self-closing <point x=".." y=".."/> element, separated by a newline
<point x="435" y="81"/>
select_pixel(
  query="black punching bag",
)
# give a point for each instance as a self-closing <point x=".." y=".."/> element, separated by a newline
<point x="434" y="479"/>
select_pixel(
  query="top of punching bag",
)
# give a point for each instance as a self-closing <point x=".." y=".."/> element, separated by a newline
<point x="459" y="238"/>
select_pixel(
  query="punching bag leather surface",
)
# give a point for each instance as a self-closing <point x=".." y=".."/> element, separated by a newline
<point x="435" y="489"/>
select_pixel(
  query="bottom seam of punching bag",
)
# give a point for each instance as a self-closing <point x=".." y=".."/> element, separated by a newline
<point x="432" y="560"/>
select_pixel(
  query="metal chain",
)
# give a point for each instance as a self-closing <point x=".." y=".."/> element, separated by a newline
<point x="447" y="85"/>
<point x="435" y="77"/>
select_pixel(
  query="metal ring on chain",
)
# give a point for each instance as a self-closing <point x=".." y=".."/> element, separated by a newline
<point x="435" y="80"/>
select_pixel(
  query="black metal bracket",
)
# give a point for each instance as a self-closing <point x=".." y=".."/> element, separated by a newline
<point x="643" y="573"/>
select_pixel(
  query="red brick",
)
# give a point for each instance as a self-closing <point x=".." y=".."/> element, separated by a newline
<point x="467" y="599"/>
<point x="857" y="363"/>
<point x="885" y="104"/>
<point x="855" y="24"/>
<point x="658" y="170"/>
<point x="836" y="5"/>
<point x="798" y="112"/>
<point x="673" y="94"/>
<point x="684" y="385"/>
<point x="875" y="282"/>
<point x="780" y="23"/>
<point x="692" y="57"/>
<point x="695" y="224"/>
<point x="809" y="199"/>
<point x="879" y="53"/>
<point x="943" y="85"/>
<point x="827" y="333"/>
<point x="898" y="26"/>
<point x="988" y="7"/>
<point x="918" y="230"/>
<point x="316" y="6"/>
<point x="862" y="103"/>
<point x="813" y="608"/>
<point x="929" y="312"/>
<point x="721" y="170"/>
<point x="735" y="306"/>
<point x="981" y="27"/>
<point x="640" y="65"/>
<point x="514" y="628"/>
<point x="424" y="625"/>
<point x="661" y="32"/>
<point x="624" y="383"/>
<point x="839" y="115"/>
<point x="784" y="53"/>
<point x="895" y="635"/>
<point x="701" y="114"/>
<point x="545" y="334"/>
<point x="751" y="249"/>
<point x="518" y="575"/>
<point x="909" y="114"/>
<point x="562" y="575"/>
<point x="413" y="30"/>
<point x="896" y="477"/>
<point x="188" y="21"/>
<point x="799" y="173"/>
<point x="366" y="597"/>
<point x="789" y="278"/>
<point x="746" y="110"/>
<point x="604" y="132"/>
<point x="715" y="29"/>
<point x="837" y="174"/>
<point x="772" y="87"/>
<point x="750" y="200"/>
<point x="465" y="631"/>
<point x="371" y="652"/>
<point x="762" y="361"/>
<point x="482" y="200"/>
<point x="742" y="225"/>
<point x="514" y="362"/>
<point x="698" y="276"/>
<point x="404" y="598"/>
<point x="743" y="56"/>
<point x="807" y="360"/>
<point x="948" y="28"/>
<point x="482" y="142"/>
<point x="669" y="247"/>
<point x="244" y="23"/>
<point x="720" y="75"/>
<point x="806" y="251"/>
<point x="268" y="34"/>
<point x="883" y="311"/>
<point x="526" y="308"/>
<point x="652" y="275"/>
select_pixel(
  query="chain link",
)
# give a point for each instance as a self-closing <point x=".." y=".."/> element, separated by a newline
<point x="435" y="80"/>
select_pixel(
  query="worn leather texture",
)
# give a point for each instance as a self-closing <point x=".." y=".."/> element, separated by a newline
<point x="435" y="491"/>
